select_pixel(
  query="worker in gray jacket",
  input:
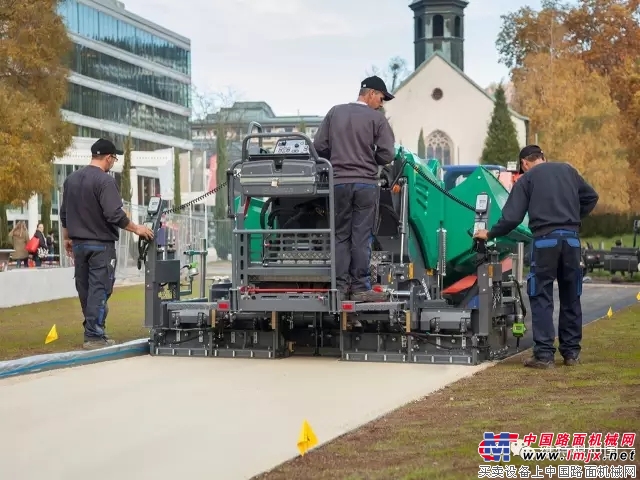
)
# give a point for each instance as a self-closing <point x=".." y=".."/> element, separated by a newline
<point x="357" y="138"/>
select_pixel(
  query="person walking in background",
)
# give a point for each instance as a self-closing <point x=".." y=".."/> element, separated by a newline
<point x="42" y="246"/>
<point x="19" y="238"/>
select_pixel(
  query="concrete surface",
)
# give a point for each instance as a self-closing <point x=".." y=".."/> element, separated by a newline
<point x="159" y="417"/>
<point x="22" y="286"/>
<point x="167" y="417"/>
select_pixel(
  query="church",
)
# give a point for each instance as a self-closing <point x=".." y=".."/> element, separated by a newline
<point x="438" y="97"/>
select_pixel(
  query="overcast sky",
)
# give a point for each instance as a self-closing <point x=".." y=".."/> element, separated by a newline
<point x="303" y="56"/>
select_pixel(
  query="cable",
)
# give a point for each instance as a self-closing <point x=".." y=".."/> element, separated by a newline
<point x="195" y="200"/>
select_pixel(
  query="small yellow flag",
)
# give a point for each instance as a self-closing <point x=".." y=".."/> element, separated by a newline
<point x="638" y="296"/>
<point x="610" y="313"/>
<point x="52" y="336"/>
<point x="307" y="438"/>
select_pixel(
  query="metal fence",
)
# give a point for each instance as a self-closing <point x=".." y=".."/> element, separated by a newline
<point x="186" y="230"/>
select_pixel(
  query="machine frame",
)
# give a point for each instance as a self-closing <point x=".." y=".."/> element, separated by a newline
<point x="282" y="300"/>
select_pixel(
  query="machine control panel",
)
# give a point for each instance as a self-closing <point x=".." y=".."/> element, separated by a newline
<point x="295" y="146"/>
<point x="482" y="212"/>
<point x="154" y="206"/>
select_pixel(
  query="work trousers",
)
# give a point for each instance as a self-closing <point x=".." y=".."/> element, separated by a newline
<point x="556" y="256"/>
<point x="356" y="212"/>
<point x="95" y="267"/>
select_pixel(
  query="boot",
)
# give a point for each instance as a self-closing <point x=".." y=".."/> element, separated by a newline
<point x="534" y="362"/>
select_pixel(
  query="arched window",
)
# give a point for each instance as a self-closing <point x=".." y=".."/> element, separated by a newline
<point x="419" y="29"/>
<point x="438" y="26"/>
<point x="439" y="146"/>
<point x="457" y="28"/>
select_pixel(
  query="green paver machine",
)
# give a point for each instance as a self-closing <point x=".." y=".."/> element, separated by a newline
<point x="450" y="299"/>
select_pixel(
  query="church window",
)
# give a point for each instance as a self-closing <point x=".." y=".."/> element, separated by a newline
<point x="436" y="94"/>
<point x="439" y="146"/>
<point x="419" y="29"/>
<point x="438" y="26"/>
<point x="457" y="28"/>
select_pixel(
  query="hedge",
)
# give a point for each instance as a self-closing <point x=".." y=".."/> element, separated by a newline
<point x="608" y="225"/>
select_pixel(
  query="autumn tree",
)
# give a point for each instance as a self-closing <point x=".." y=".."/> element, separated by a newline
<point x="422" y="149"/>
<point x="605" y="35"/>
<point x="125" y="176"/>
<point x="501" y="144"/>
<point x="571" y="111"/>
<point x="34" y="51"/>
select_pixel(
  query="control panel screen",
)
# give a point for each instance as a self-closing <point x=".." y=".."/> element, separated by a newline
<point x="294" y="146"/>
<point x="479" y="226"/>
<point x="482" y="202"/>
<point x="154" y="206"/>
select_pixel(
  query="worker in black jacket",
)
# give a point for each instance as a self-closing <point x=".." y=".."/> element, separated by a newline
<point x="91" y="215"/>
<point x="357" y="139"/>
<point x="557" y="198"/>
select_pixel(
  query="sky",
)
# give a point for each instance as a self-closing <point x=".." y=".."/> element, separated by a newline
<point x="304" y="56"/>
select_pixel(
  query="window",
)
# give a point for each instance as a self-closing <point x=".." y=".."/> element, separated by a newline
<point x="137" y="144"/>
<point x="438" y="26"/>
<point x="100" y="66"/>
<point x="419" y="29"/>
<point x="457" y="28"/>
<point x="439" y="146"/>
<point x="91" y="23"/>
<point x="104" y="106"/>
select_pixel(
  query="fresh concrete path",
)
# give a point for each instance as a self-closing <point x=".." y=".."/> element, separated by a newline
<point x="227" y="419"/>
<point x="166" y="418"/>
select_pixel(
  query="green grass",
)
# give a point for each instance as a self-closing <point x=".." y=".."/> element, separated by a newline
<point x="627" y="241"/>
<point x="437" y="437"/>
<point x="23" y="329"/>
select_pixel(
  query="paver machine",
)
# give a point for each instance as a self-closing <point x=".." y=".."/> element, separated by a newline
<point x="449" y="299"/>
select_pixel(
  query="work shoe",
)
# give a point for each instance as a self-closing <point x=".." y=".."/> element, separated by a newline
<point x="98" y="343"/>
<point x="370" y="296"/>
<point x="571" y="361"/>
<point x="533" y="362"/>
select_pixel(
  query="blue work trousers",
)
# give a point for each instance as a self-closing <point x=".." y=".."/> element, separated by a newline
<point x="95" y="268"/>
<point x="556" y="256"/>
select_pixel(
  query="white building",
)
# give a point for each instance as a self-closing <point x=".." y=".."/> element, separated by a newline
<point x="438" y="97"/>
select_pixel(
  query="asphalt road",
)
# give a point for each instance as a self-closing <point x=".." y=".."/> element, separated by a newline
<point x="596" y="300"/>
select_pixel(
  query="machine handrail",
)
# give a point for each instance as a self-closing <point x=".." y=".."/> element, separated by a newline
<point x="258" y="127"/>
<point x="301" y="136"/>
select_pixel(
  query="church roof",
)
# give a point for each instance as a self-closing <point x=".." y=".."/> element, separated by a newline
<point x="464" y="75"/>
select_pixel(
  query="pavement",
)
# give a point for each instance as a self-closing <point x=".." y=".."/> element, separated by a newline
<point x="162" y="417"/>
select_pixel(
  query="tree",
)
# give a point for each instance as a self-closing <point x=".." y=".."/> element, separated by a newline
<point x="605" y="34"/>
<point x="32" y="91"/>
<point x="302" y="126"/>
<point x="177" y="196"/>
<point x="125" y="176"/>
<point x="394" y="73"/>
<point x="422" y="149"/>
<point x="571" y="111"/>
<point x="501" y="144"/>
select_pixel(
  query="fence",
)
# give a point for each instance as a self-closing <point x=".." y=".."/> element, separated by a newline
<point x="185" y="229"/>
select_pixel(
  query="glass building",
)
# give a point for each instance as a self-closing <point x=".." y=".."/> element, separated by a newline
<point x="128" y="76"/>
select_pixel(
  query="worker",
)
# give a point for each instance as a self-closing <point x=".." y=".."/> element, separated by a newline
<point x="357" y="139"/>
<point x="557" y="198"/>
<point x="91" y="215"/>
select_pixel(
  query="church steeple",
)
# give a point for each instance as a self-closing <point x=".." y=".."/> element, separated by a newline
<point x="439" y="27"/>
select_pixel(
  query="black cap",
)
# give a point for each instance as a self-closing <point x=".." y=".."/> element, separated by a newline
<point x="530" y="150"/>
<point x="105" y="147"/>
<point x="376" y="83"/>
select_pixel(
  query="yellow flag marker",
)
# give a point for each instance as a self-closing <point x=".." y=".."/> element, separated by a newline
<point x="638" y="296"/>
<point x="610" y="313"/>
<point x="52" y="336"/>
<point x="307" y="438"/>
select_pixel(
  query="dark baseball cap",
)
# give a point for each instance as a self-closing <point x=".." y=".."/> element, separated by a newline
<point x="105" y="147"/>
<point x="530" y="150"/>
<point x="376" y="83"/>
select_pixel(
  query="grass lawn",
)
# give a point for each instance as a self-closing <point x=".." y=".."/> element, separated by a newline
<point x="438" y="436"/>
<point x="23" y="329"/>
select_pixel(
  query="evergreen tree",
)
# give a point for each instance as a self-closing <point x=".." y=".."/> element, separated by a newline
<point x="177" y="197"/>
<point x="501" y="145"/>
<point x="220" y="210"/>
<point x="422" y="149"/>
<point x="125" y="176"/>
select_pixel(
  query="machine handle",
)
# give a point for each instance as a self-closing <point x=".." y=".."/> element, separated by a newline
<point x="301" y="136"/>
